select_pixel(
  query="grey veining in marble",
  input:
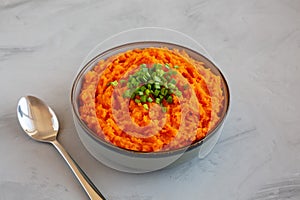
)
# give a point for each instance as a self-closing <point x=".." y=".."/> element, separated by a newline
<point x="256" y="43"/>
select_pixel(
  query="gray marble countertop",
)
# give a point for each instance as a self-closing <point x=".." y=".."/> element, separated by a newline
<point x="255" y="43"/>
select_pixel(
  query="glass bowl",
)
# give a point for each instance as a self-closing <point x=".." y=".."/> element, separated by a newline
<point x="138" y="161"/>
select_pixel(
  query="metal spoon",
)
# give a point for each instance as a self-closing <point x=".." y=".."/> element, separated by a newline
<point x="39" y="121"/>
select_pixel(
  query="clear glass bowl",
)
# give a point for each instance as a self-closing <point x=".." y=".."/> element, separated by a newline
<point x="134" y="161"/>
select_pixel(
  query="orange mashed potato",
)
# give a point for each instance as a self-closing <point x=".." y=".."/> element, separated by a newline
<point x="127" y="124"/>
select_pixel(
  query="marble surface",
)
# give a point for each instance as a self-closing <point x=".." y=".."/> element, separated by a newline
<point x="255" y="43"/>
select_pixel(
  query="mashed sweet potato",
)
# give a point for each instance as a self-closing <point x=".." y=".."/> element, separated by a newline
<point x="127" y="124"/>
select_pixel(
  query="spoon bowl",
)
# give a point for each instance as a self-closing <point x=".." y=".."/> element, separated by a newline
<point x="40" y="123"/>
<point x="37" y="119"/>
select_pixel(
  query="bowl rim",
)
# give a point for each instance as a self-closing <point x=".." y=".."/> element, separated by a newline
<point x="133" y="153"/>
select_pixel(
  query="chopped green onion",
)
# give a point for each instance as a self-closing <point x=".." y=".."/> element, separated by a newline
<point x="114" y="83"/>
<point x="156" y="79"/>
<point x="147" y="74"/>
<point x="143" y="98"/>
<point x="163" y="79"/>
<point x="173" y="81"/>
<point x="178" y="93"/>
<point x="143" y="88"/>
<point x="147" y="91"/>
<point x="159" y="66"/>
<point x="146" y="106"/>
<point x="153" y="74"/>
<point x="163" y="90"/>
<point x="144" y="79"/>
<point x="139" y="79"/>
<point x="156" y="83"/>
<point x="157" y="100"/>
<point x="171" y="86"/>
<point x="134" y="82"/>
<point x="151" y="82"/>
<point x="149" y="99"/>
<point x="156" y="93"/>
<point x="140" y="93"/>
<point x="167" y="77"/>
<point x="127" y="94"/>
<point x="149" y="86"/>
<point x="160" y="72"/>
<point x="137" y="101"/>
<point x="132" y="96"/>
<point x="169" y="99"/>
<point x="157" y="86"/>
<point x="144" y="70"/>
<point x="164" y="109"/>
<point x="143" y="65"/>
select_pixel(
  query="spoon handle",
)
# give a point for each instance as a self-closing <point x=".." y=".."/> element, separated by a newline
<point x="85" y="182"/>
